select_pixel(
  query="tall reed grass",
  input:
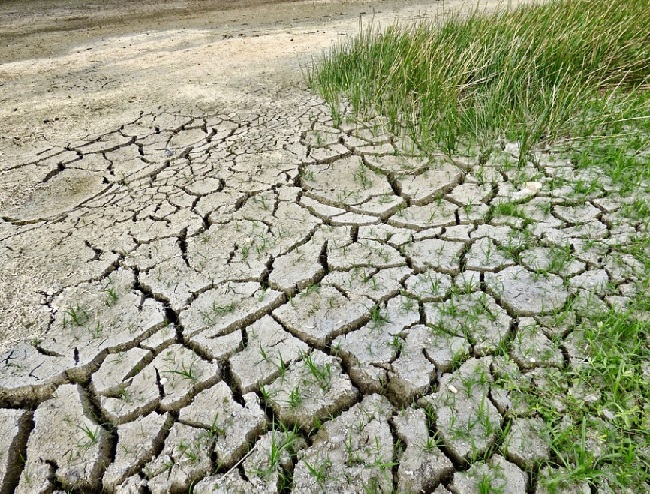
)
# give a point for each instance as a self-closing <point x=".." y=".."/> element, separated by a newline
<point x="536" y="72"/>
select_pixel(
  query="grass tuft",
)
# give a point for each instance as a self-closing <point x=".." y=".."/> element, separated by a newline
<point x="534" y="73"/>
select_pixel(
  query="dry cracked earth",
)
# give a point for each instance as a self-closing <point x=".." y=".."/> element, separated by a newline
<point x="264" y="301"/>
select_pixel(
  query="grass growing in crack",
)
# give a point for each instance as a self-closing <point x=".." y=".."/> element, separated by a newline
<point x="377" y="317"/>
<point x="603" y="438"/>
<point x="77" y="315"/>
<point x="214" y="429"/>
<point x="536" y="72"/>
<point x="322" y="373"/>
<point x="283" y="442"/>
<point x="184" y="372"/>
<point x="92" y="436"/>
<point x="295" y="397"/>
<point x="320" y="471"/>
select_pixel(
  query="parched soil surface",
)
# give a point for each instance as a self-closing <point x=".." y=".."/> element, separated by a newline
<point x="206" y="283"/>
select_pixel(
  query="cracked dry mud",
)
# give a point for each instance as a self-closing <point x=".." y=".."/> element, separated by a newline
<point x="234" y="272"/>
<point x="254" y="299"/>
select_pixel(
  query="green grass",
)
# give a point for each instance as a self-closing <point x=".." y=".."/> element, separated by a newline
<point x="573" y="75"/>
<point x="619" y="416"/>
<point x="562" y="69"/>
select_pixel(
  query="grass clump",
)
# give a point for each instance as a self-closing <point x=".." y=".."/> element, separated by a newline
<point x="616" y="418"/>
<point x="534" y="73"/>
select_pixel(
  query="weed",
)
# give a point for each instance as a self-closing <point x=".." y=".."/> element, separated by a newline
<point x="77" y="315"/>
<point x="184" y="372"/>
<point x="214" y="429"/>
<point x="111" y="297"/>
<point x="92" y="436"/>
<point x="320" y="472"/>
<point x="377" y="317"/>
<point x="295" y="398"/>
<point x="361" y="176"/>
<point x="322" y="373"/>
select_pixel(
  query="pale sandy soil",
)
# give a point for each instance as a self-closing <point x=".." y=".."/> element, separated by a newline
<point x="72" y="70"/>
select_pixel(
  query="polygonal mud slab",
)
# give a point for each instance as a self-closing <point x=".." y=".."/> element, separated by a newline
<point x="175" y="281"/>
<point x="79" y="452"/>
<point x="556" y="260"/>
<point x="13" y="438"/>
<point x="527" y="443"/>
<point x="351" y="453"/>
<point x="26" y="375"/>
<point x="216" y="348"/>
<point x="531" y="348"/>
<point x="485" y="255"/>
<point x="429" y="286"/>
<point x="269" y="351"/>
<point x="319" y="314"/>
<point x="169" y="381"/>
<point x="185" y="459"/>
<point x="433" y="182"/>
<point x="527" y="294"/>
<point x="411" y="373"/>
<point x="460" y="232"/>
<point x="231" y="426"/>
<point x="595" y="281"/>
<point x="475" y="316"/>
<point x="137" y="441"/>
<point x="466" y="419"/>
<point x="467" y="282"/>
<point x="445" y="350"/>
<point x="495" y="475"/>
<point x="117" y="368"/>
<point x="228" y="307"/>
<point x="470" y="193"/>
<point x="96" y="318"/>
<point x="437" y="213"/>
<point x="577" y="214"/>
<point x="329" y="153"/>
<point x="346" y="182"/>
<point x="378" y="285"/>
<point x="364" y="253"/>
<point x="311" y="390"/>
<point x="440" y="255"/>
<point x="299" y="268"/>
<point x="422" y="465"/>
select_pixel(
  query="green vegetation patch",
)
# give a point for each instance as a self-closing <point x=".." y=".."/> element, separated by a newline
<point x="537" y="72"/>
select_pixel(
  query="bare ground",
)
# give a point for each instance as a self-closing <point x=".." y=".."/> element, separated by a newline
<point x="72" y="70"/>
